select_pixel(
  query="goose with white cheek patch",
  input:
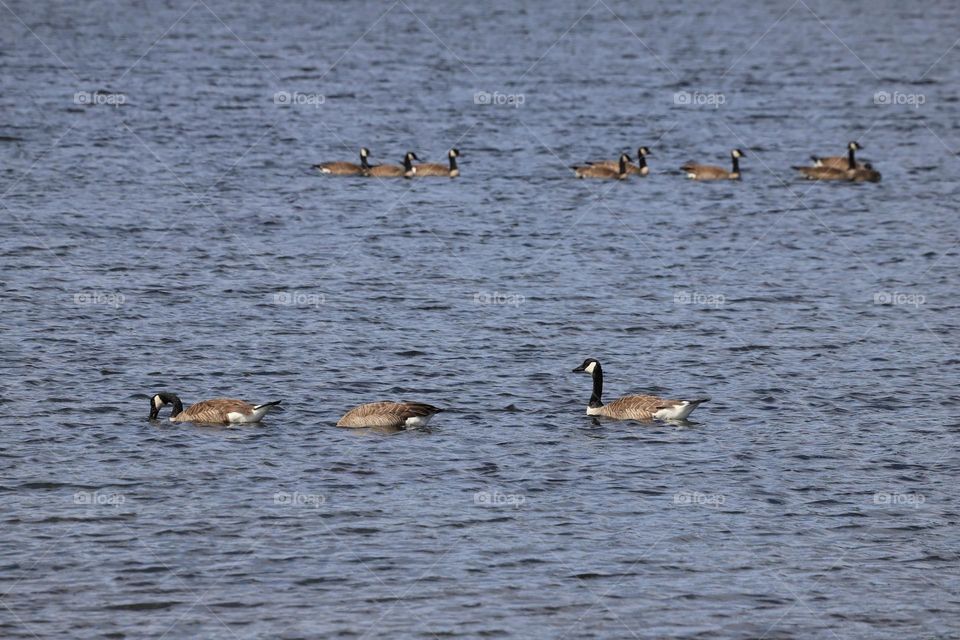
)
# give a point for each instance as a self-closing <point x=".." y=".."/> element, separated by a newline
<point x="216" y="411"/>
<point x="633" y="407"/>
<point x="602" y="172"/>
<point x="843" y="163"/>
<point x="346" y="168"/>
<point x="391" y="415"/>
<point x="697" y="171"/>
<point x="640" y="169"/>
<point x="405" y="170"/>
<point x="426" y="169"/>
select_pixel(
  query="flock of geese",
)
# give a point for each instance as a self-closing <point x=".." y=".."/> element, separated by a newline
<point x="411" y="415"/>
<point x="406" y="415"/>
<point x="837" y="168"/>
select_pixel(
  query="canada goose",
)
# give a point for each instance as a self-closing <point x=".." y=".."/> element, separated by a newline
<point x="633" y="407"/>
<point x="840" y="162"/>
<point x="389" y="414"/>
<point x="640" y="169"/>
<point x="696" y="171"/>
<point x="436" y="169"/>
<point x="609" y="173"/>
<point x="406" y="170"/>
<point x="346" y="168"/>
<point x="216" y="411"/>
<point x="860" y="173"/>
<point x="864" y="173"/>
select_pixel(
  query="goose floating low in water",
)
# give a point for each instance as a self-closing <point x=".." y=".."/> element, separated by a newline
<point x="394" y="415"/>
<point x="604" y="172"/>
<point x="840" y="169"/>
<point x="640" y="169"/>
<point x="696" y="171"/>
<point x="346" y="168"/>
<point x="439" y="170"/>
<point x="848" y="161"/>
<point x="405" y="170"/>
<point x="633" y="407"/>
<point x="216" y="411"/>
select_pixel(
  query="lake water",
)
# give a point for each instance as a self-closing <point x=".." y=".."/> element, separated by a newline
<point x="161" y="229"/>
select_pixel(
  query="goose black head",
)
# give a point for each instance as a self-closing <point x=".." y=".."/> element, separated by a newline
<point x="643" y="151"/>
<point x="737" y="153"/>
<point x="364" y="152"/>
<point x="589" y="366"/>
<point x="411" y="156"/>
<point x="160" y="400"/>
<point x="454" y="153"/>
<point x="853" y="145"/>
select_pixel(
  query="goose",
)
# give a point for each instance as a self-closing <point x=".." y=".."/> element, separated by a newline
<point x="389" y="414"/>
<point x="859" y="173"/>
<point x="609" y="173"/>
<point x="346" y="168"/>
<point x="696" y="171"/>
<point x="406" y="170"/>
<point x="840" y="162"/>
<point x="640" y="169"/>
<point x="633" y="407"/>
<point x="216" y="411"/>
<point x="436" y="169"/>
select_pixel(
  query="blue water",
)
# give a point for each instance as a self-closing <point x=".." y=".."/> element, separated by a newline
<point x="161" y="229"/>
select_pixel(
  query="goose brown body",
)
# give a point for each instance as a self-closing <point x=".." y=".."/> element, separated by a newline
<point x="603" y="172"/>
<point x="633" y="407"/>
<point x="435" y="169"/>
<point x="640" y="169"/>
<point x="840" y="162"/>
<point x="215" y="411"/>
<point x="341" y="168"/>
<point x="405" y="170"/>
<point x="388" y="414"/>
<point x="696" y="171"/>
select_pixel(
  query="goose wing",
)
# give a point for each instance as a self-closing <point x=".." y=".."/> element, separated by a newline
<point x="387" y="170"/>
<point x="215" y="411"/>
<point x="432" y="169"/>
<point x="596" y="171"/>
<point x="638" y="407"/>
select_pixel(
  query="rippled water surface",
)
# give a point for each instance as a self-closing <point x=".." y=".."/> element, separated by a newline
<point x="161" y="229"/>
